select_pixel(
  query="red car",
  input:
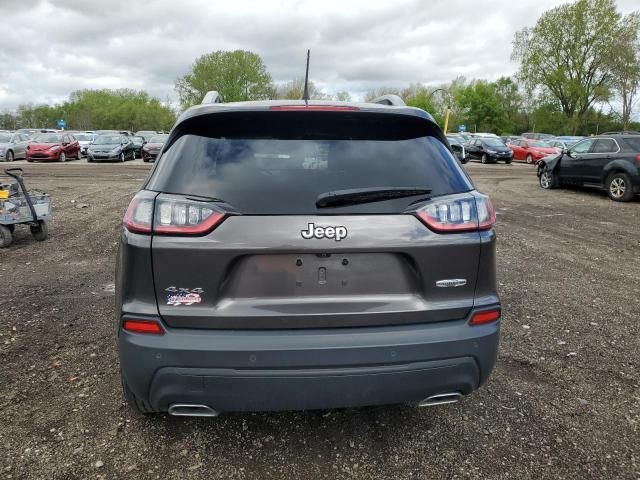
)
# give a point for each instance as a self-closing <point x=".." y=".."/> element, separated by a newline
<point x="530" y="151"/>
<point x="53" y="147"/>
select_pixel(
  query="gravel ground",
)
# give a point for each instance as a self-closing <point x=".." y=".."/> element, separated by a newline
<point x="563" y="401"/>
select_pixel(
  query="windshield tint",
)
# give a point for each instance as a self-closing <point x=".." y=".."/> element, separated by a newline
<point x="539" y="144"/>
<point x="273" y="176"/>
<point x="83" y="137"/>
<point x="158" y="139"/>
<point x="48" y="138"/>
<point x="107" y="140"/>
<point x="4" y="138"/>
<point x="493" y="142"/>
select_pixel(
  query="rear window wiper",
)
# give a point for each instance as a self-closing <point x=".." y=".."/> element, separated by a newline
<point x="340" y="198"/>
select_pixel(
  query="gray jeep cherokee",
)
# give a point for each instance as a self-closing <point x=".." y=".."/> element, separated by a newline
<point x="291" y="255"/>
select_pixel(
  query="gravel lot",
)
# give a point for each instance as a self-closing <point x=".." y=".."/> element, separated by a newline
<point x="563" y="402"/>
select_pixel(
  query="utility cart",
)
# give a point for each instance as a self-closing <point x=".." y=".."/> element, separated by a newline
<point x="18" y="206"/>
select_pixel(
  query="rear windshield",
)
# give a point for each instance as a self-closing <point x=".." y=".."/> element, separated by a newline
<point x="267" y="176"/>
<point x="493" y="142"/>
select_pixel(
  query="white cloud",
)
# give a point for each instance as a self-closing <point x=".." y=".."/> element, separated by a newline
<point x="53" y="47"/>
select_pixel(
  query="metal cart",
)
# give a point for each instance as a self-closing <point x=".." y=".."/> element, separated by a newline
<point x="18" y="206"/>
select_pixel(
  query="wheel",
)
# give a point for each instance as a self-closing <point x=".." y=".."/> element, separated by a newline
<point x="11" y="228"/>
<point x="146" y="160"/>
<point x="508" y="162"/>
<point x="29" y="160"/>
<point x="5" y="237"/>
<point x="547" y="180"/>
<point x="122" y="157"/>
<point x="40" y="232"/>
<point x="619" y="187"/>
<point x="63" y="157"/>
<point x="136" y="404"/>
<point x="529" y="158"/>
<point x="9" y="156"/>
<point x="483" y="159"/>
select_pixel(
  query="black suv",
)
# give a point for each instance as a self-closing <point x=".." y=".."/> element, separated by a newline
<point x="610" y="161"/>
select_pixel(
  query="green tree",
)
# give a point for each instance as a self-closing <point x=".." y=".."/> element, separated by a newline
<point x="237" y="76"/>
<point x="568" y="52"/>
<point x="294" y="89"/>
<point x="625" y="65"/>
<point x="511" y="102"/>
<point x="481" y="107"/>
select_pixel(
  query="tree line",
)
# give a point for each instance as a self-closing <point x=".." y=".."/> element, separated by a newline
<point x="95" y="110"/>
<point x="579" y="73"/>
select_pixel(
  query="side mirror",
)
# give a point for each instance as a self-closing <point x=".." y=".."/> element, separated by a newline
<point x="64" y="144"/>
<point x="572" y="154"/>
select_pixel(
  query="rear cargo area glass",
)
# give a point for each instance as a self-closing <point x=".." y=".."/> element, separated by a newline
<point x="284" y="173"/>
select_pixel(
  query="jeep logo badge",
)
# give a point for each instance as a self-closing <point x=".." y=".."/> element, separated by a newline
<point x="312" y="231"/>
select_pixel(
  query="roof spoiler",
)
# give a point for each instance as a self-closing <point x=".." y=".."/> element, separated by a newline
<point x="212" y="96"/>
<point x="389" y="99"/>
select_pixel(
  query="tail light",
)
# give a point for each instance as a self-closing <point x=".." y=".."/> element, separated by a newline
<point x="143" y="326"/>
<point x="314" y="108"/>
<point x="638" y="160"/>
<point x="484" y="317"/>
<point x="171" y="215"/>
<point x="459" y="213"/>
<point x="180" y="216"/>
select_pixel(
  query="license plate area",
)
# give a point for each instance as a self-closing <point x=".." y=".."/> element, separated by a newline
<point x="320" y="274"/>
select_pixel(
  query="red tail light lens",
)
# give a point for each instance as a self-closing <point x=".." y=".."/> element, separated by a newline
<point x="138" y="217"/>
<point x="180" y="216"/>
<point x="638" y="160"/>
<point x="487" y="316"/>
<point x="143" y="326"/>
<point x="171" y="215"/>
<point x="315" y="108"/>
<point x="459" y="213"/>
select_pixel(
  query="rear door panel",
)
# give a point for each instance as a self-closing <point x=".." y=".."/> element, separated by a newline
<point x="259" y="272"/>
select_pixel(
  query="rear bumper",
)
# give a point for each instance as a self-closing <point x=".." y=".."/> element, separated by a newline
<point x="307" y="369"/>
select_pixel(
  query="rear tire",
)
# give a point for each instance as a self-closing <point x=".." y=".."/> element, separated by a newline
<point x="122" y="157"/>
<point x="136" y="405"/>
<point x="483" y="159"/>
<point x="63" y="157"/>
<point x="5" y="237"/>
<point x="9" y="156"/>
<point x="41" y="232"/>
<point x="529" y="159"/>
<point x="619" y="187"/>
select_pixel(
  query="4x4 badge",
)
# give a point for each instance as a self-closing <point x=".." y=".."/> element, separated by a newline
<point x="183" y="296"/>
<point x="312" y="231"/>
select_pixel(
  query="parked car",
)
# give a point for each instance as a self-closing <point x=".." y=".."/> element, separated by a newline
<point x="537" y="136"/>
<point x="53" y="147"/>
<point x="111" y="147"/>
<point x="569" y="139"/>
<point x="138" y="143"/>
<point x="301" y="263"/>
<point x="530" y="151"/>
<point x="609" y="162"/>
<point x="488" y="150"/>
<point x="13" y="146"/>
<point x="153" y="147"/>
<point x="457" y="145"/>
<point x="146" y="134"/>
<point x="85" y="140"/>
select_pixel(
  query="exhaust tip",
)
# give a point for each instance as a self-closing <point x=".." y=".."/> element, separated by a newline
<point x="440" y="399"/>
<point x="191" y="410"/>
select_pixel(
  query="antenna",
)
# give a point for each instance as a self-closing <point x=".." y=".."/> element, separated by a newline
<point x="305" y="95"/>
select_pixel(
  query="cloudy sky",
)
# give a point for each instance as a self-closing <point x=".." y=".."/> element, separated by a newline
<point x="49" y="48"/>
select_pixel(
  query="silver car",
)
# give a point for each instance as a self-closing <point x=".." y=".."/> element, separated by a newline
<point x="13" y="146"/>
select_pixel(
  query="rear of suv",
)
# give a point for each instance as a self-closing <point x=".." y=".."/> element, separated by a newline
<point x="305" y="255"/>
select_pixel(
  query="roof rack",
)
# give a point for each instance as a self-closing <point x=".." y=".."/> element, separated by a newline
<point x="212" y="96"/>
<point x="623" y="132"/>
<point x="389" y="99"/>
